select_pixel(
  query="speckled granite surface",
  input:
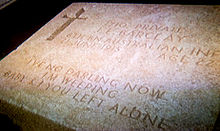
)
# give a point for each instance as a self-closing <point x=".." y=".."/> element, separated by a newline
<point x="119" y="67"/>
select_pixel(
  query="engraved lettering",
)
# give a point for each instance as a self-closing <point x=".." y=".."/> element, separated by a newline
<point x="65" y="91"/>
<point x="147" y="115"/>
<point x="130" y="87"/>
<point x="56" y="88"/>
<point x="124" y="111"/>
<point x="159" y="95"/>
<point x="112" y="93"/>
<point x="135" y="114"/>
<point x="143" y="90"/>
<point x="163" y="125"/>
<point x="83" y="99"/>
<point x="114" y="108"/>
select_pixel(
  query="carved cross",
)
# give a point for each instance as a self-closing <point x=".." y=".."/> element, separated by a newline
<point x="67" y="23"/>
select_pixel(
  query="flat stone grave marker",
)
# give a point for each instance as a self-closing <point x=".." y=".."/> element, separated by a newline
<point x="117" y="67"/>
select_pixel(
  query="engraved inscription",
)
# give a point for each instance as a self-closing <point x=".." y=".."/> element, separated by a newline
<point x="74" y="85"/>
<point x="147" y="67"/>
<point x="79" y="96"/>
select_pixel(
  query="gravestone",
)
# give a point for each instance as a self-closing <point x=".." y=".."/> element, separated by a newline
<point x="117" y="67"/>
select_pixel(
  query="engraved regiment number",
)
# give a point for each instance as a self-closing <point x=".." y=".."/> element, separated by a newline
<point x="67" y="23"/>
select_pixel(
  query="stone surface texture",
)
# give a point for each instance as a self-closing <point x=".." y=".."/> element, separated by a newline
<point x="118" y="67"/>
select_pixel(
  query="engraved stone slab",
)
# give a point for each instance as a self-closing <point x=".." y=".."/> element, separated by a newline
<point x="119" y="66"/>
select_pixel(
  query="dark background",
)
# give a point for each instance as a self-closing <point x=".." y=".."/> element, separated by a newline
<point x="23" y="18"/>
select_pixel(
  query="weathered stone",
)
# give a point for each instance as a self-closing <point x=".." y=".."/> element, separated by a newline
<point x="117" y="66"/>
